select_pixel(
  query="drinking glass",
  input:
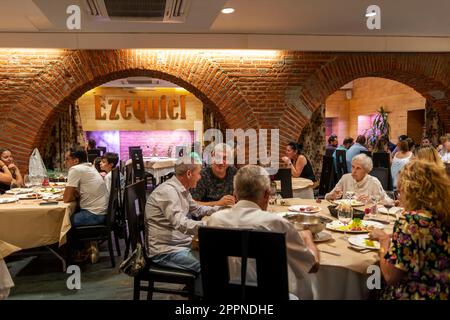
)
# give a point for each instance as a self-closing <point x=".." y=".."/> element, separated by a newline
<point x="27" y="181"/>
<point x="345" y="217"/>
<point x="349" y="195"/>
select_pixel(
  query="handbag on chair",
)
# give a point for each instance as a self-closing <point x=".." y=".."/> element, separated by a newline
<point x="134" y="263"/>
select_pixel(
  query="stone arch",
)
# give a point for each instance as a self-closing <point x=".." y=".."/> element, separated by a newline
<point x="424" y="74"/>
<point x="79" y="71"/>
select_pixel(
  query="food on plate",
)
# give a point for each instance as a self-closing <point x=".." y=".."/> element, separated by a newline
<point x="369" y="243"/>
<point x="309" y="209"/>
<point x="356" y="225"/>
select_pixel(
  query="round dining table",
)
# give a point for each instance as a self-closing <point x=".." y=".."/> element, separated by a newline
<point x="344" y="269"/>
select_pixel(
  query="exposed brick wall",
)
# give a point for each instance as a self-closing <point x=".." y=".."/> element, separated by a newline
<point x="278" y="90"/>
<point x="368" y="95"/>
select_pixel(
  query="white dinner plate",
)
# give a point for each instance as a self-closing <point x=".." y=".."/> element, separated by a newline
<point x="29" y="196"/>
<point x="322" y="236"/>
<point x="354" y="203"/>
<point x="363" y="241"/>
<point x="19" y="191"/>
<point x="7" y="200"/>
<point x="336" y="225"/>
<point x="392" y="211"/>
<point x="304" y="208"/>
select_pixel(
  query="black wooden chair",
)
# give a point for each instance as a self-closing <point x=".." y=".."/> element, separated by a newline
<point x="367" y="153"/>
<point x="383" y="175"/>
<point x="101" y="232"/>
<point x="166" y="177"/>
<point x="93" y="154"/>
<point x="135" y="208"/>
<point x="102" y="150"/>
<point x="327" y="176"/>
<point x="139" y="172"/>
<point x="119" y="225"/>
<point x="383" y="160"/>
<point x="341" y="164"/>
<point x="284" y="175"/>
<point x="217" y="245"/>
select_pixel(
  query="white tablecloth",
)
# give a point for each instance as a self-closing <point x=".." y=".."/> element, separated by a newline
<point x="5" y="280"/>
<point x="339" y="277"/>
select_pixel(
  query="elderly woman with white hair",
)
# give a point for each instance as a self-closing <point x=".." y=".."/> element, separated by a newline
<point x="359" y="181"/>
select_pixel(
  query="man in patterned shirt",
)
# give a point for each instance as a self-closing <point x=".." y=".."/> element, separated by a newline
<point x="215" y="188"/>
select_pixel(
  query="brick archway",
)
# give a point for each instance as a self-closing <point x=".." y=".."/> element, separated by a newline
<point x="426" y="76"/>
<point x="79" y="71"/>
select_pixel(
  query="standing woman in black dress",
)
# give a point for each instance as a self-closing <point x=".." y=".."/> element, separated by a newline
<point x="299" y="164"/>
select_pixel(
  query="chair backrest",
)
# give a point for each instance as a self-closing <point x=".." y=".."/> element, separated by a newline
<point x="341" y="163"/>
<point x="166" y="177"/>
<point x="134" y="204"/>
<point x="129" y="174"/>
<point x="102" y="150"/>
<point x="138" y="164"/>
<point x="285" y="176"/>
<point x="381" y="174"/>
<point x="329" y="152"/>
<point x="381" y="160"/>
<point x="130" y="149"/>
<point x="93" y="154"/>
<point x="367" y="153"/>
<point x="216" y="245"/>
<point x="327" y="175"/>
<point x="114" y="203"/>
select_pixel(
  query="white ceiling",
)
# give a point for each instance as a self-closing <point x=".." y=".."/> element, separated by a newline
<point x="252" y="19"/>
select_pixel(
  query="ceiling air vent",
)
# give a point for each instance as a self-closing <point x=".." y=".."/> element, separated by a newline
<point x="139" y="10"/>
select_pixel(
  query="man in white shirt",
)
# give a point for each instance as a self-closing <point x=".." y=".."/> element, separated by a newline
<point x="252" y="189"/>
<point x="169" y="227"/>
<point x="86" y="185"/>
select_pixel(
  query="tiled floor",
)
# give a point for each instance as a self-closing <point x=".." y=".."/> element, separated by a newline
<point x="40" y="277"/>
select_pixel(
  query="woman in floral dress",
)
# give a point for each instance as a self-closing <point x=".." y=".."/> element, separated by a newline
<point x="415" y="259"/>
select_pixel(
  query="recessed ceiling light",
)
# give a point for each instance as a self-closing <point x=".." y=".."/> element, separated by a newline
<point x="371" y="14"/>
<point x="227" y="10"/>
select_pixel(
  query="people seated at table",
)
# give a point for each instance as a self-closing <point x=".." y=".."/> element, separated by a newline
<point x="346" y="144"/>
<point x="401" y="158"/>
<point x="107" y="163"/>
<point x="426" y="142"/>
<point x="445" y="151"/>
<point x="10" y="175"/>
<point x="84" y="184"/>
<point x="400" y="138"/>
<point x="252" y="189"/>
<point x="332" y="144"/>
<point x="91" y="144"/>
<point x="415" y="259"/>
<point x="381" y="145"/>
<point x="430" y="154"/>
<point x="359" y="181"/>
<point x="298" y="162"/>
<point x="355" y="150"/>
<point x="168" y="225"/>
<point x="215" y="187"/>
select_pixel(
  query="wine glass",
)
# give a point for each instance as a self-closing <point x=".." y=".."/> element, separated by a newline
<point x="27" y="181"/>
<point x="345" y="216"/>
<point x="349" y="195"/>
<point x="388" y="204"/>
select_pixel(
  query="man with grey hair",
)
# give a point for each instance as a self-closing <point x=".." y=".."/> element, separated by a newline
<point x="359" y="181"/>
<point x="169" y="228"/>
<point x="215" y="188"/>
<point x="252" y="189"/>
